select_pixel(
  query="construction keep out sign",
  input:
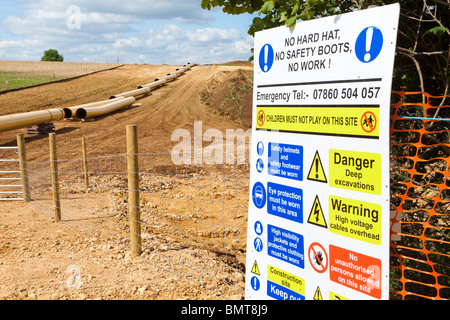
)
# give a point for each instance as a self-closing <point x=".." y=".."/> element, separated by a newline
<point x="318" y="223"/>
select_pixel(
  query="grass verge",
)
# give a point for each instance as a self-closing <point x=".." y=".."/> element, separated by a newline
<point x="15" y="80"/>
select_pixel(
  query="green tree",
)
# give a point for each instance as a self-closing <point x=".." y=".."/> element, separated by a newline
<point x="423" y="41"/>
<point x="52" y="55"/>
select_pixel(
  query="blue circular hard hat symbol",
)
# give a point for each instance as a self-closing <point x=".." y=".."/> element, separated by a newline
<point x="369" y="44"/>
<point x="260" y="148"/>
<point x="266" y="57"/>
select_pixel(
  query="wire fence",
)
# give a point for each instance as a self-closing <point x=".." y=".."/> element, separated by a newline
<point x="192" y="217"/>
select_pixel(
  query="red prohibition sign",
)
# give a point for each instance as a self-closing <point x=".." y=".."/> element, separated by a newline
<point x="368" y="121"/>
<point x="261" y="118"/>
<point x="318" y="257"/>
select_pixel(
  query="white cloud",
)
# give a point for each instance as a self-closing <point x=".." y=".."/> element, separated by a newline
<point x="150" y="31"/>
<point x="20" y="50"/>
<point x="212" y="34"/>
<point x="182" y="10"/>
<point x="173" y="43"/>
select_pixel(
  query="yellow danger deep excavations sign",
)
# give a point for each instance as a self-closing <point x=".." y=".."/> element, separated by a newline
<point x="357" y="171"/>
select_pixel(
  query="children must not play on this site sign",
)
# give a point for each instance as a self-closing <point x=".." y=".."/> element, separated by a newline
<point x="318" y="220"/>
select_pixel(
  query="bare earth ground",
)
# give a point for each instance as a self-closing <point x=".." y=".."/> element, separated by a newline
<point x="42" y="259"/>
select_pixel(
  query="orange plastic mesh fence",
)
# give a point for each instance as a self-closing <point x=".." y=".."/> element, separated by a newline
<point x="420" y="197"/>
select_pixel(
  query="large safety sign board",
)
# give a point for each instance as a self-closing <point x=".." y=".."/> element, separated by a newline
<point x="318" y="221"/>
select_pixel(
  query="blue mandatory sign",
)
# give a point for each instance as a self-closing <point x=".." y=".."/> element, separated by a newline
<point x="285" y="245"/>
<point x="285" y="160"/>
<point x="260" y="148"/>
<point x="369" y="44"/>
<point x="259" y="165"/>
<point x="254" y="282"/>
<point x="259" y="195"/>
<point x="266" y="57"/>
<point x="258" y="244"/>
<point x="258" y="228"/>
<point x="285" y="202"/>
<point x="282" y="293"/>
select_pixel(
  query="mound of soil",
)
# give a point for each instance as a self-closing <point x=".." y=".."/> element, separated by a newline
<point x="232" y="96"/>
<point x="238" y="63"/>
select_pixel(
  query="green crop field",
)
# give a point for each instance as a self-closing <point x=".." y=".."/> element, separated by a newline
<point x="14" y="80"/>
<point x="22" y="74"/>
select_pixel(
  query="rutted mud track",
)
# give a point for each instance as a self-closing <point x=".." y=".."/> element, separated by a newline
<point x="36" y="253"/>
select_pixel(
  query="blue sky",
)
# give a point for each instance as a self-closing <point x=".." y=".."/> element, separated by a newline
<point x="137" y="31"/>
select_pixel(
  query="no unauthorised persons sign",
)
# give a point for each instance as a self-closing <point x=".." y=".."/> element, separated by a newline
<point x="320" y="191"/>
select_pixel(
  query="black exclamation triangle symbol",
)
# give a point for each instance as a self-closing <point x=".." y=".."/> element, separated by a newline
<point x="316" y="171"/>
<point x="317" y="168"/>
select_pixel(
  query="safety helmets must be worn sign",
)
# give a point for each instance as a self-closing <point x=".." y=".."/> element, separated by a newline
<point x="318" y="220"/>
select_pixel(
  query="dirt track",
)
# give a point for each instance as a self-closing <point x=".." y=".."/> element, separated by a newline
<point x="176" y="105"/>
<point x="35" y="254"/>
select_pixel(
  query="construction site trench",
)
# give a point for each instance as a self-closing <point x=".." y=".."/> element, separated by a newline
<point x="36" y="253"/>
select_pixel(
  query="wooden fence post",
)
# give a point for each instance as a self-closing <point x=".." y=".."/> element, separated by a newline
<point x="85" y="162"/>
<point x="23" y="167"/>
<point x="133" y="190"/>
<point x="54" y="170"/>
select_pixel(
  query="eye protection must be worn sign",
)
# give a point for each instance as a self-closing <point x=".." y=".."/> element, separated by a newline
<point x="319" y="184"/>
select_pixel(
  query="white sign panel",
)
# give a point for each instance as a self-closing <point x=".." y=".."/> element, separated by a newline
<point x="318" y="224"/>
